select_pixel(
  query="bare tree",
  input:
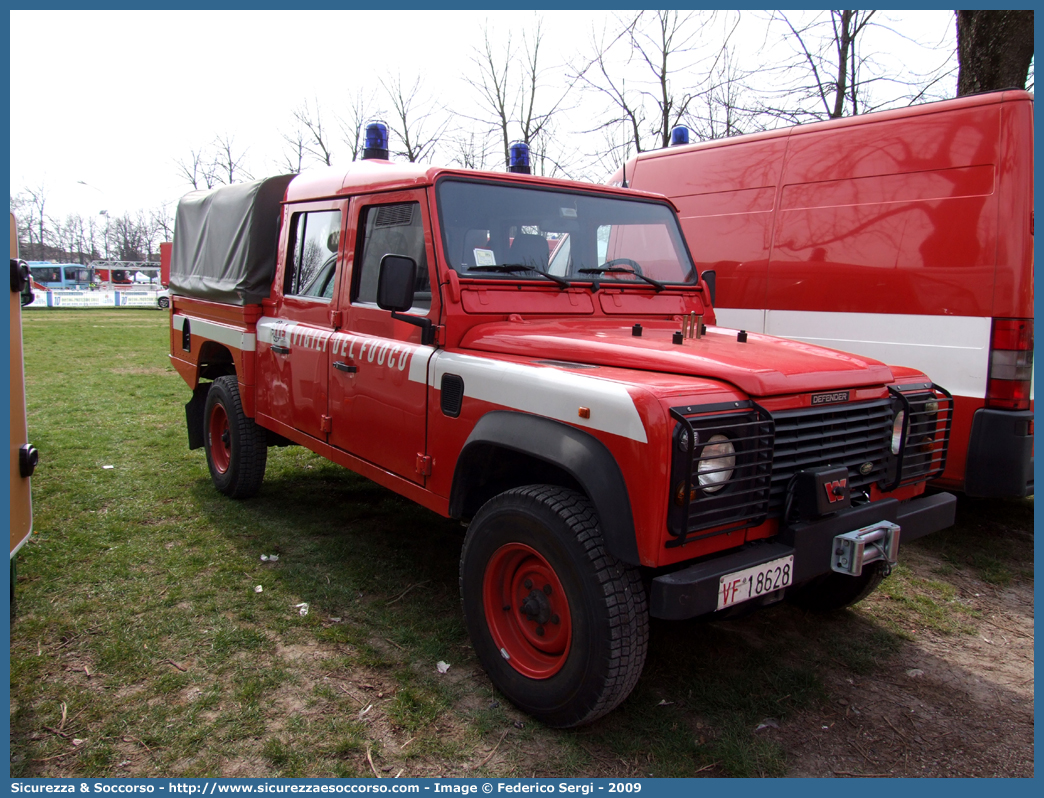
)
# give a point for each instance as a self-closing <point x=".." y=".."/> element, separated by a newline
<point x="316" y="142"/>
<point x="728" y="107"/>
<point x="162" y="221"/>
<point x="22" y="209"/>
<point x="552" y="156"/>
<point x="95" y="237"/>
<point x="293" y="157"/>
<point x="994" y="50"/>
<point x="834" y="71"/>
<point x="835" y="80"/>
<point x="198" y="169"/>
<point x="72" y="240"/>
<point x="36" y="220"/>
<point x="151" y="227"/>
<point x="362" y="108"/>
<point x="536" y="117"/>
<point x="127" y="238"/>
<point x="651" y="69"/>
<point x="492" y="82"/>
<point x="418" y="124"/>
<point x="228" y="166"/>
<point x="514" y="84"/>
<point x="79" y="239"/>
<point x="470" y="149"/>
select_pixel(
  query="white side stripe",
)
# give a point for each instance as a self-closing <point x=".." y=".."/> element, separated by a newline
<point x="382" y="352"/>
<point x="222" y="333"/>
<point x="953" y="350"/>
<point x="544" y="391"/>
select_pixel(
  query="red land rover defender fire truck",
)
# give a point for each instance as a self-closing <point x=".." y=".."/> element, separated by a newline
<point x="903" y="235"/>
<point x="539" y="358"/>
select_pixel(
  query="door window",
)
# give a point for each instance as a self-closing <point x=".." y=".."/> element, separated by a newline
<point x="391" y="230"/>
<point x="311" y="266"/>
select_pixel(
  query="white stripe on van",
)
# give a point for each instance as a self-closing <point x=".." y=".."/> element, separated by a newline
<point x="953" y="350"/>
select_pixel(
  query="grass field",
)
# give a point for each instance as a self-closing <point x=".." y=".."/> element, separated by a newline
<point x="152" y="639"/>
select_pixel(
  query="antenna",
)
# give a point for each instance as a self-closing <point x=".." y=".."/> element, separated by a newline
<point x="624" y="184"/>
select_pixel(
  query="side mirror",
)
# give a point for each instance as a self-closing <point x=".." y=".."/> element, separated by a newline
<point x="395" y="283"/>
<point x="20" y="282"/>
<point x="19" y="275"/>
<point x="710" y="278"/>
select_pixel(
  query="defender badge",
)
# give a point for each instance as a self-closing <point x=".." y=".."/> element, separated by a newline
<point x="866" y="468"/>
<point x="829" y="398"/>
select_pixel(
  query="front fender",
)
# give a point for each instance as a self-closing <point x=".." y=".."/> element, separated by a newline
<point x="579" y="454"/>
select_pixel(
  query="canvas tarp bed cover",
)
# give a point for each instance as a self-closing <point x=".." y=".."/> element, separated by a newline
<point x="225" y="241"/>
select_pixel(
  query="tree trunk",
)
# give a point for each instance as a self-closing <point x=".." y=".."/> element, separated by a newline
<point x="994" y="50"/>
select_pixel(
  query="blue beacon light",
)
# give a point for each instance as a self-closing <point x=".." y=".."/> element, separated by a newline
<point x="376" y="141"/>
<point x="680" y="135"/>
<point x="518" y="160"/>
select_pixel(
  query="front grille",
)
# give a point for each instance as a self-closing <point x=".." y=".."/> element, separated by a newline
<point x="772" y="449"/>
<point x="849" y="435"/>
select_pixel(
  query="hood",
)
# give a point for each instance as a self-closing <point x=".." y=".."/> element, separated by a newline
<point x="762" y="366"/>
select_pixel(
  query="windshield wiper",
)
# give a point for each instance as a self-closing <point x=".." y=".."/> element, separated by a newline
<point x="621" y="270"/>
<point x="518" y="267"/>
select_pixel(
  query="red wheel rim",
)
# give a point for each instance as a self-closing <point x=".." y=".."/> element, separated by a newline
<point x="220" y="439"/>
<point x="527" y="611"/>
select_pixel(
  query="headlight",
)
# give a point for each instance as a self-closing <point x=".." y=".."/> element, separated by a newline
<point x="717" y="462"/>
<point x="683" y="440"/>
<point x="897" y="431"/>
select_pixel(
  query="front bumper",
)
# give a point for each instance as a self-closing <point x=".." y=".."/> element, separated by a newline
<point x="693" y="591"/>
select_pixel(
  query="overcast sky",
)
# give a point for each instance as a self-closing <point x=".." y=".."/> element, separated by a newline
<point x="116" y="99"/>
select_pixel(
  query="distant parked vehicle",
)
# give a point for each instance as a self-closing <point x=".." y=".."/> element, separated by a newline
<point x="121" y="272"/>
<point x="61" y="275"/>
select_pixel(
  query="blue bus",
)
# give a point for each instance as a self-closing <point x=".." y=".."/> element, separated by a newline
<point x="61" y="275"/>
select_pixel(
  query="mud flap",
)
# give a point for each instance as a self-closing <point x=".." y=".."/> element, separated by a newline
<point x="194" y="415"/>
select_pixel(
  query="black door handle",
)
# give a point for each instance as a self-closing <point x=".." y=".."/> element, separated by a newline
<point x="281" y="350"/>
<point x="341" y="366"/>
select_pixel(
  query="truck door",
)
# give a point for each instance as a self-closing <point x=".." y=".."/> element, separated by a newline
<point x="378" y="366"/>
<point x="292" y="346"/>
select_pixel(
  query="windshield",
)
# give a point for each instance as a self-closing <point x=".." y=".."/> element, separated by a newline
<point x="494" y="230"/>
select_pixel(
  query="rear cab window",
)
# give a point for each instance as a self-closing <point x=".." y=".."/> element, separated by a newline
<point x="311" y="264"/>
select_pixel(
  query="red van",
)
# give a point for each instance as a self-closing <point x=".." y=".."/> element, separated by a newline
<point x="905" y="235"/>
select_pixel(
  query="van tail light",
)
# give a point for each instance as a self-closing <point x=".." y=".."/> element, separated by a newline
<point x="1011" y="364"/>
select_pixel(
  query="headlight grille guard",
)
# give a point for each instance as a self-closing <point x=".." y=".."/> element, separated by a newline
<point x="926" y="434"/>
<point x="743" y="500"/>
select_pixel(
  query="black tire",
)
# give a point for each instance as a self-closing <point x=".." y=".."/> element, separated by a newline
<point x="237" y="451"/>
<point x="836" y="591"/>
<point x="163" y="302"/>
<point x="605" y="611"/>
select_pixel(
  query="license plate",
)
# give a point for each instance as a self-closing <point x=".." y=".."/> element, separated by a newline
<point x="750" y="583"/>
